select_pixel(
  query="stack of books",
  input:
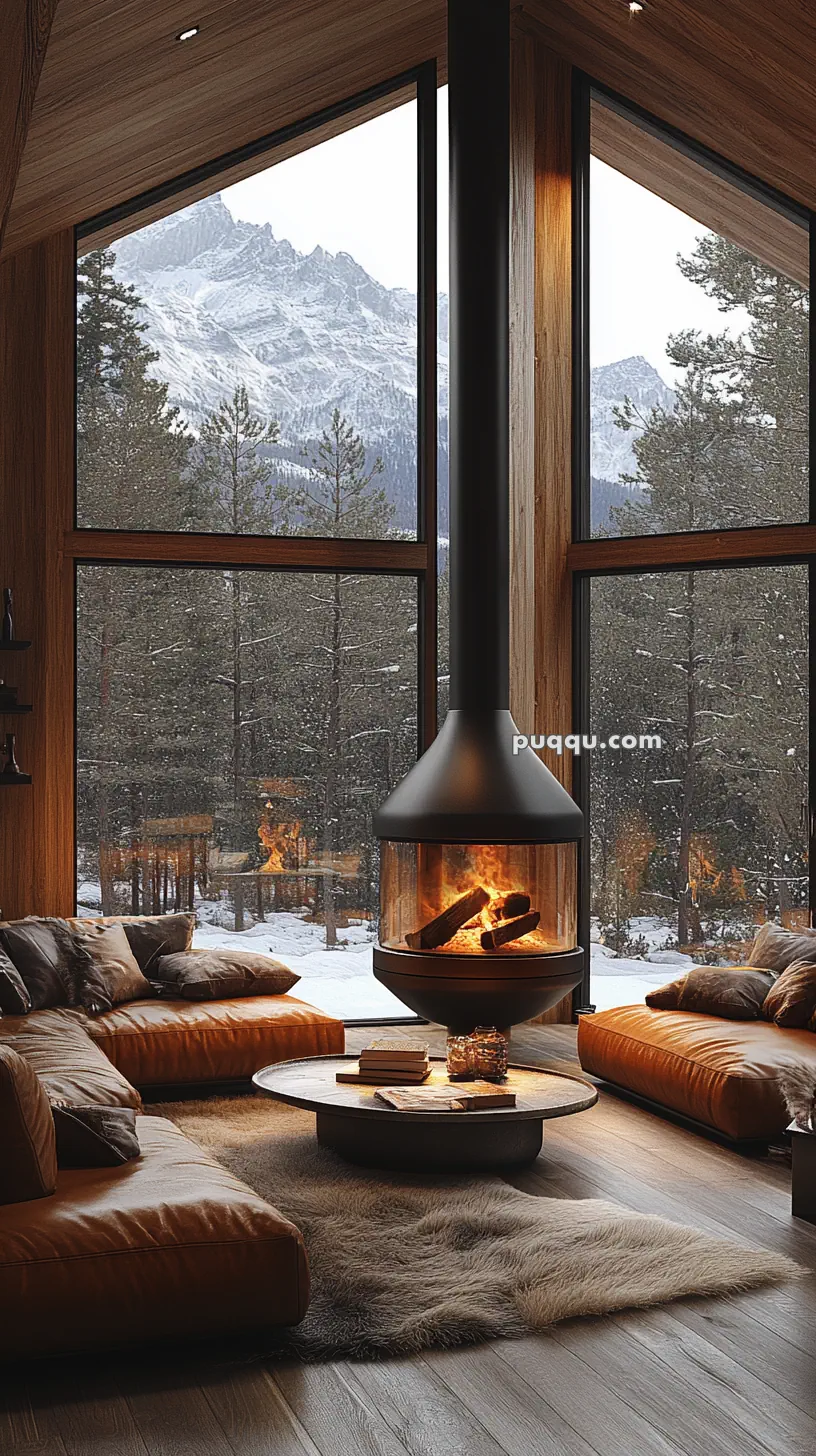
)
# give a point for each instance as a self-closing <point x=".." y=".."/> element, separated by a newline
<point x="389" y="1062"/>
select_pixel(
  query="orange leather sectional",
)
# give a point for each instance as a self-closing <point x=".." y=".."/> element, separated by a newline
<point x="720" y="1073"/>
<point x="171" y="1246"/>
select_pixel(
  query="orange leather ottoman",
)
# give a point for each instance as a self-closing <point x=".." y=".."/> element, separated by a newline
<point x="70" y="1065"/>
<point x="722" y="1073"/>
<point x="158" y="1043"/>
<point x="168" y="1247"/>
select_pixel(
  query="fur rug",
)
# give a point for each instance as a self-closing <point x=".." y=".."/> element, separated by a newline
<point x="404" y="1263"/>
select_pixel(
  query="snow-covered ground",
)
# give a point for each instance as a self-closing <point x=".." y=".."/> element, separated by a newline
<point x="617" y="981"/>
<point x="341" y="981"/>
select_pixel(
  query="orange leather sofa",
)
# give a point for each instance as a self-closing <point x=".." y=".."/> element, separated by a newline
<point x="722" y="1074"/>
<point x="170" y="1246"/>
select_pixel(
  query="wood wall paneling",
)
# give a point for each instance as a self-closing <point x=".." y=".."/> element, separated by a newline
<point x="779" y="242"/>
<point x="36" y="491"/>
<point x="123" y="107"/>
<point x="541" y="398"/>
<point x="24" y="31"/>
<point x="737" y="75"/>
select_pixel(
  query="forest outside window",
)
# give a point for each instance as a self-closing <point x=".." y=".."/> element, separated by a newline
<point x="694" y="845"/>
<point x="236" y="730"/>
<point x="232" y="353"/>
<point x="699" y="304"/>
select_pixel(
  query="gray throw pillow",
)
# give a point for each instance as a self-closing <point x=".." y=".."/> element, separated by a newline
<point x="218" y="975"/>
<point x="775" y="948"/>
<point x="149" y="936"/>
<point x="95" y="1137"/>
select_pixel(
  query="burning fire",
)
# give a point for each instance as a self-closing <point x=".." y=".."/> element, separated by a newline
<point x="480" y="902"/>
<point x="280" y="840"/>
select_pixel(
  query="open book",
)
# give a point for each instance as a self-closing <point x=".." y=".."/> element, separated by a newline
<point x="458" y="1097"/>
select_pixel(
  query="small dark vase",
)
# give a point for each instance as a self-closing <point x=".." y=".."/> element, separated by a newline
<point x="11" y="767"/>
<point x="7" y="629"/>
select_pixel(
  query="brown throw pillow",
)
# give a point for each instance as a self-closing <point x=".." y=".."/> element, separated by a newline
<point x="54" y="967"/>
<point x="151" y="936"/>
<point x="95" y="1137"/>
<point x="734" y="992"/>
<point x="791" y="1000"/>
<point x="110" y="951"/>
<point x="776" y="948"/>
<point x="218" y="975"/>
<point x="14" y="997"/>
<point x="28" y="1163"/>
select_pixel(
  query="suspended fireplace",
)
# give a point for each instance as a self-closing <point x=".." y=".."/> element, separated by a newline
<point x="479" y="843"/>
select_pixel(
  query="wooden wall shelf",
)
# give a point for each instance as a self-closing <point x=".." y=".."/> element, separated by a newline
<point x="17" y="708"/>
<point x="15" y="646"/>
<point x="8" y="781"/>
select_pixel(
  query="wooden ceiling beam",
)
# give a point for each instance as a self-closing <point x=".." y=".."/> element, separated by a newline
<point x="25" y="26"/>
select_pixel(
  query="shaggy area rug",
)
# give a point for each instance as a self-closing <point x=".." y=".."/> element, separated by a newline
<point x="402" y="1263"/>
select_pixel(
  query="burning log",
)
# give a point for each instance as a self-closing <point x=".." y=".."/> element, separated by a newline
<point x="509" y="930"/>
<point x="444" y="927"/>
<point x="509" y="906"/>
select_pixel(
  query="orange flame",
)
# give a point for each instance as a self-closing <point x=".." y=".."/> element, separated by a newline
<point x="281" y="842"/>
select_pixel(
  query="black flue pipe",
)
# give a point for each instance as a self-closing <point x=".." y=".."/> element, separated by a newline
<point x="479" y="121"/>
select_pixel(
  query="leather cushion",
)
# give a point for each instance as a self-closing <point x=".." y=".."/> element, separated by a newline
<point x="149" y="936"/>
<point x="14" y="997"/>
<point x="735" y="992"/>
<point x="170" y="1247"/>
<point x="118" y="968"/>
<point x="56" y="970"/>
<point x="157" y="1043"/>
<point x="28" y="1156"/>
<point x="70" y="1066"/>
<point x="723" y="1073"/>
<point x="776" y="948"/>
<point x="791" y="1001"/>
<point x="95" y="1137"/>
<point x="217" y="975"/>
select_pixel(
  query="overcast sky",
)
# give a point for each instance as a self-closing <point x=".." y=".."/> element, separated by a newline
<point x="357" y="194"/>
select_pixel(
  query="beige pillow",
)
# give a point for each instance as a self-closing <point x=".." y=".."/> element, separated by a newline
<point x="110" y="951"/>
<point x="775" y="948"/>
<point x="28" y="1166"/>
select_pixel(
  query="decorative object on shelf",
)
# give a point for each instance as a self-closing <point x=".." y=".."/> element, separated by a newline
<point x="489" y="1054"/>
<point x="459" y="1057"/>
<point x="7" y="628"/>
<point x="11" y="773"/>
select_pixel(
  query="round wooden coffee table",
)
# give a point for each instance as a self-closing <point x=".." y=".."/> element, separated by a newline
<point x="352" y="1121"/>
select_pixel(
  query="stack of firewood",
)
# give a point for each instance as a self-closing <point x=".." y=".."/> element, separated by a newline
<point x="510" y="916"/>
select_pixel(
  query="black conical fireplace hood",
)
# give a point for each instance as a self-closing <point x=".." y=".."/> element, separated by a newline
<point x="470" y="787"/>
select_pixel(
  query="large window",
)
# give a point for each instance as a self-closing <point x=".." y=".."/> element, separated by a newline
<point x="698" y="343"/>
<point x="258" y="384"/>
<point x="237" y="729"/>
<point x="696" y="842"/>
<point x="694" y="418"/>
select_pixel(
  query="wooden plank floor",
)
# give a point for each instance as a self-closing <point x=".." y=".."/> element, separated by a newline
<point x="727" y="1377"/>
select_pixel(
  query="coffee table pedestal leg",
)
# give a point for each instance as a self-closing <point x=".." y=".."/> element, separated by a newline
<point x="422" y="1147"/>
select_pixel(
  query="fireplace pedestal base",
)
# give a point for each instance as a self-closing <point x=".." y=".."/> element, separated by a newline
<point x="461" y="992"/>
